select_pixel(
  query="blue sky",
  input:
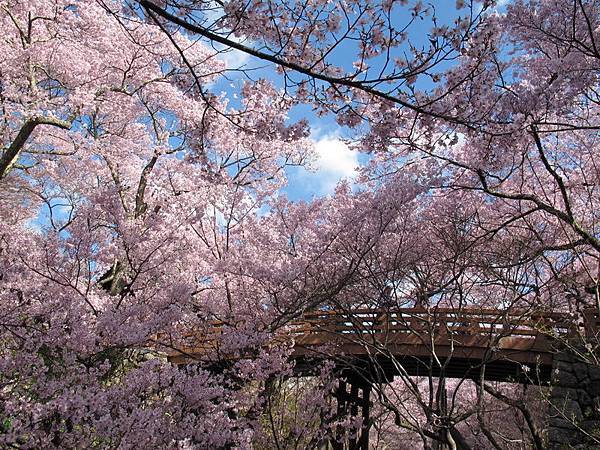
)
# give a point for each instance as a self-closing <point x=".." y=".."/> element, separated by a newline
<point x="334" y="160"/>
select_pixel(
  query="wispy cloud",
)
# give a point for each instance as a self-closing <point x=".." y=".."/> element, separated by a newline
<point x="335" y="161"/>
<point x="234" y="59"/>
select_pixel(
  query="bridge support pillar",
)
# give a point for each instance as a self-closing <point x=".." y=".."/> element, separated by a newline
<point x="574" y="406"/>
<point x="353" y="398"/>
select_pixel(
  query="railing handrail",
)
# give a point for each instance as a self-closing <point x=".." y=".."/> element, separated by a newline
<point x="483" y="322"/>
<point x="435" y="312"/>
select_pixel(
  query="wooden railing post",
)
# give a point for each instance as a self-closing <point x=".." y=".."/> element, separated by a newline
<point x="383" y="319"/>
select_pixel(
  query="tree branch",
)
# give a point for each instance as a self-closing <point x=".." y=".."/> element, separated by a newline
<point x="535" y="433"/>
<point x="342" y="81"/>
<point x="12" y="153"/>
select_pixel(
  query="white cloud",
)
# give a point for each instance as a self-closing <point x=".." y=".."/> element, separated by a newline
<point x="335" y="158"/>
<point x="233" y="59"/>
<point x="34" y="225"/>
<point x="500" y="5"/>
<point x="334" y="162"/>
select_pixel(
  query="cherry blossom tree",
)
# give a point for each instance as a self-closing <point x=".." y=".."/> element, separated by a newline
<point x="126" y="191"/>
<point x="504" y="138"/>
<point x="140" y="207"/>
<point x="498" y="105"/>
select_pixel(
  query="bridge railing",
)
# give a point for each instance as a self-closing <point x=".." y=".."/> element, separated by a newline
<point x="320" y="326"/>
<point x="440" y="321"/>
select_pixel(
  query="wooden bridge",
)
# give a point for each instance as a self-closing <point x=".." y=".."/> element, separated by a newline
<point x="374" y="345"/>
<point x="385" y="342"/>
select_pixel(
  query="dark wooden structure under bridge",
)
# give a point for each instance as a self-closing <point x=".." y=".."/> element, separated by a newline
<point x="375" y="345"/>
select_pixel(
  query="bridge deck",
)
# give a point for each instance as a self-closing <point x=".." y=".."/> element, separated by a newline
<point x="510" y="345"/>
